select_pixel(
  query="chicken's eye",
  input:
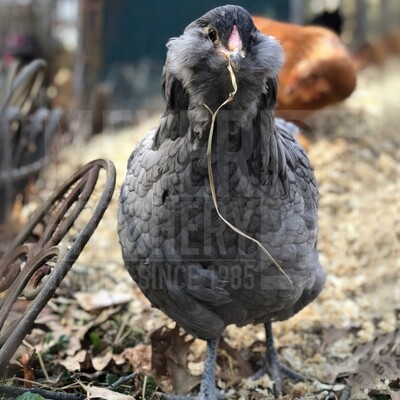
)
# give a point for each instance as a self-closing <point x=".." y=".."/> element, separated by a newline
<point x="212" y="35"/>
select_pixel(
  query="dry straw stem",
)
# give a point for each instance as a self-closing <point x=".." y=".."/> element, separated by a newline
<point x="211" y="176"/>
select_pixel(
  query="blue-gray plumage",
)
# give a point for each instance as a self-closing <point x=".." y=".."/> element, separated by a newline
<point x="185" y="259"/>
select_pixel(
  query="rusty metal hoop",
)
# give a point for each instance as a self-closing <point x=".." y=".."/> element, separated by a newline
<point x="25" y="87"/>
<point x="27" y="131"/>
<point x="25" y="269"/>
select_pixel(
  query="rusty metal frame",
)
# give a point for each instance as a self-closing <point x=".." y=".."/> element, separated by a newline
<point x="25" y="133"/>
<point x="25" y="87"/>
<point x="35" y="265"/>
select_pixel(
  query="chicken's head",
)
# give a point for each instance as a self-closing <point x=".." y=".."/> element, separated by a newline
<point x="197" y="61"/>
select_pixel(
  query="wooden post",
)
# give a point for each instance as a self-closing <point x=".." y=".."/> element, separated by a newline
<point x="361" y="22"/>
<point x="296" y="11"/>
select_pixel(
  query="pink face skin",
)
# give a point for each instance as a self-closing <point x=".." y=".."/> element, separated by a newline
<point x="234" y="41"/>
<point x="235" y="47"/>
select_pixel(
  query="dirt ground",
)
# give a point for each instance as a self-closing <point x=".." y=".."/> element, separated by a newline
<point x="356" y="160"/>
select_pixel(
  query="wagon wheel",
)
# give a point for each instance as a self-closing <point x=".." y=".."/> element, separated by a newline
<point x="39" y="258"/>
<point x="22" y="151"/>
<point x="25" y="87"/>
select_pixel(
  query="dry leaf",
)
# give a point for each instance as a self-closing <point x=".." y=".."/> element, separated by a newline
<point x="100" y="362"/>
<point x="332" y="335"/>
<point x="74" y="345"/>
<point x="376" y="360"/>
<point x="94" y="392"/>
<point x="21" y="351"/>
<point x="242" y="368"/>
<point x="118" y="359"/>
<point x="139" y="357"/>
<point x="73" y="363"/>
<point x="169" y="358"/>
<point x="394" y="395"/>
<point x="29" y="375"/>
<point x="101" y="299"/>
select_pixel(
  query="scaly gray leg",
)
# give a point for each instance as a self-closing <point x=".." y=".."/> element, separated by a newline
<point x="272" y="365"/>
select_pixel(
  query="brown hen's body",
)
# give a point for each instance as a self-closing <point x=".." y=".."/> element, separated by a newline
<point x="318" y="70"/>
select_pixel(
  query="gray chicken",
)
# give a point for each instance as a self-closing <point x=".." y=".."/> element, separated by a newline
<point x="183" y="256"/>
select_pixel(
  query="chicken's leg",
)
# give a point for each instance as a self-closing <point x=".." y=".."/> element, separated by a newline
<point x="207" y="388"/>
<point x="272" y="365"/>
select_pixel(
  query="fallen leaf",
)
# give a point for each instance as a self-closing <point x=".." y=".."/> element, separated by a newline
<point x="74" y="345"/>
<point x="394" y="395"/>
<point x="29" y="375"/>
<point x="244" y="369"/>
<point x="100" y="362"/>
<point x="376" y="360"/>
<point x="73" y="363"/>
<point x="94" y="392"/>
<point x="169" y="358"/>
<point x="22" y="349"/>
<point x="101" y="299"/>
<point x="139" y="358"/>
<point x="332" y="335"/>
<point x="118" y="359"/>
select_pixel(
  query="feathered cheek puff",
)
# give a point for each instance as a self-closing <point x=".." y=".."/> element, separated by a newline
<point x="266" y="55"/>
<point x="189" y="50"/>
<point x="193" y="51"/>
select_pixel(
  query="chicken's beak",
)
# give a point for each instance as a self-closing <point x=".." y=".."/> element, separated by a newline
<point x="236" y="57"/>
<point x="235" y="46"/>
<point x="234" y="52"/>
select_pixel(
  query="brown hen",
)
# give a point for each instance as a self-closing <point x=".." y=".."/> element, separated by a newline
<point x="318" y="70"/>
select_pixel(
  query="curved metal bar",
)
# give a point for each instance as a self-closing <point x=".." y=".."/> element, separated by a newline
<point x="25" y="87"/>
<point x="32" y="264"/>
<point x="24" y="135"/>
<point x="39" y="215"/>
<point x="24" y="172"/>
<point x="38" y="252"/>
<point x="79" y="195"/>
